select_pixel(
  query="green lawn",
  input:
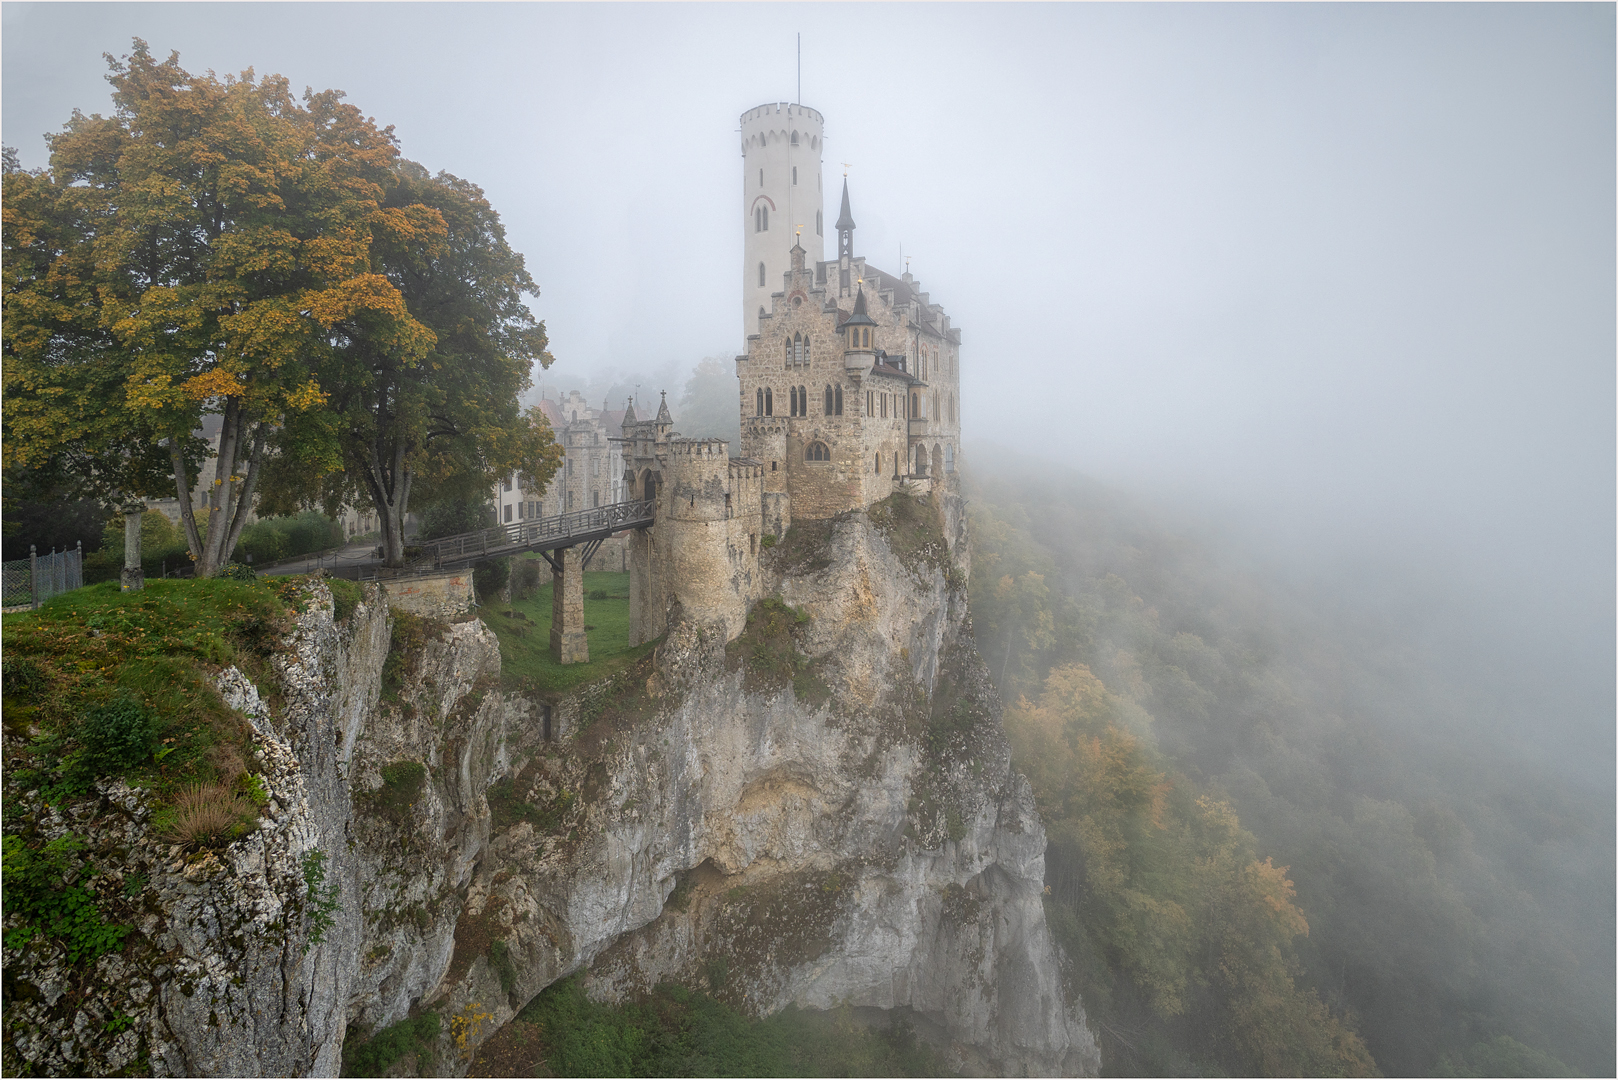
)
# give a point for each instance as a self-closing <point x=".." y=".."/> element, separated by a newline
<point x="524" y="629"/>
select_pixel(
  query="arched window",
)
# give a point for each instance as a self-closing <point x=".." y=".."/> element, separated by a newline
<point x="878" y="469"/>
<point x="949" y="457"/>
<point x="761" y="171"/>
<point x="794" y="392"/>
<point x="794" y="174"/>
<point x="816" y="451"/>
<point x="806" y="350"/>
<point x="915" y="406"/>
<point x="803" y="401"/>
<point x="923" y="365"/>
<point x="865" y="337"/>
<point x="817" y="224"/>
<point x="648" y="486"/>
<point x="870" y="399"/>
<point x="921" y="461"/>
<point x="761" y="275"/>
<point x="761" y="311"/>
<point x="838" y="392"/>
<point x="769" y="402"/>
<point x="794" y="138"/>
<point x="764" y="211"/>
<point x="760" y="410"/>
<point x="787" y="346"/>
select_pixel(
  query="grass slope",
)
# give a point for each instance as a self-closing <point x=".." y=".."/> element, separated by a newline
<point x="524" y="630"/>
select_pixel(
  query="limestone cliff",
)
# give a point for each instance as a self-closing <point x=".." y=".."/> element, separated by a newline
<point x="821" y="811"/>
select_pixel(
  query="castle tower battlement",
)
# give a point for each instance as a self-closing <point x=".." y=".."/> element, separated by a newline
<point x="781" y="146"/>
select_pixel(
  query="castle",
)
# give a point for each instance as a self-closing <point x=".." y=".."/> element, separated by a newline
<point x="849" y="391"/>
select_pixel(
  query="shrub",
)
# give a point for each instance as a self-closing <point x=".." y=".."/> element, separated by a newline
<point x="206" y="815"/>
<point x="402" y="782"/>
<point x="236" y="571"/>
<point x="41" y="889"/>
<point x="452" y="516"/>
<point x="270" y="539"/>
<point x="526" y="579"/>
<point x="500" y="958"/>
<point x="116" y="736"/>
<point x="345" y="597"/>
<point x="490" y="576"/>
<point x="376" y="1055"/>
<point x="323" y="896"/>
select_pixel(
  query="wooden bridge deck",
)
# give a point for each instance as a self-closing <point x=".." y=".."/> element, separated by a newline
<point x="540" y="534"/>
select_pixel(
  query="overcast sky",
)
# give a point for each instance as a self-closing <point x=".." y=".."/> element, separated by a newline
<point x="1346" y="272"/>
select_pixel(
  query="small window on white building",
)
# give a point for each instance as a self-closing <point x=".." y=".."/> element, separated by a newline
<point x="508" y="511"/>
<point x="761" y="282"/>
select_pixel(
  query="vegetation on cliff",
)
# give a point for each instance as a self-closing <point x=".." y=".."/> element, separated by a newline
<point x="681" y="1032"/>
<point x="100" y="682"/>
<point x="1415" y="890"/>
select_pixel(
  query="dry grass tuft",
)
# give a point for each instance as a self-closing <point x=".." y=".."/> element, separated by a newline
<point x="208" y="815"/>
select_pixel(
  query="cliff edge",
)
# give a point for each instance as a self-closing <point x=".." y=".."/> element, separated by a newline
<point x="821" y="811"/>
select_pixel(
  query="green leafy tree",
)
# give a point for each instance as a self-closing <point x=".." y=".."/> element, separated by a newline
<point x="447" y="421"/>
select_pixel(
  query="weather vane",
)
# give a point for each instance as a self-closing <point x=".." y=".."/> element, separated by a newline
<point x="846" y="166"/>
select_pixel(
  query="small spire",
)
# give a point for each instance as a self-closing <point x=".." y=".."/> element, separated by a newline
<point x="663" y="416"/>
<point x="845" y="218"/>
<point x="629" y="410"/>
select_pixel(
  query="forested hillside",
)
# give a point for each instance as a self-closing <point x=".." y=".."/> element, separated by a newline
<point x="1274" y="845"/>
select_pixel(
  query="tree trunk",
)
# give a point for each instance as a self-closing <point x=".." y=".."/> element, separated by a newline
<point x="182" y="489"/>
<point x="390" y="494"/>
<point x="214" y="553"/>
<point x="230" y="499"/>
<point x="244" y="496"/>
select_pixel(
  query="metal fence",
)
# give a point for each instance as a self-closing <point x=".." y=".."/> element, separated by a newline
<point x="518" y="535"/>
<point x="32" y="581"/>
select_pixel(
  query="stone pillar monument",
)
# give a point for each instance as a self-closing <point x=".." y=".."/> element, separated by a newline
<point x="132" y="577"/>
<point x="568" y="643"/>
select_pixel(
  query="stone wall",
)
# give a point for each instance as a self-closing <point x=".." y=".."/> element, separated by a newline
<point x="440" y="596"/>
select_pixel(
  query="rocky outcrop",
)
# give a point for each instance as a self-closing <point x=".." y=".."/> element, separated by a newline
<point x="820" y="812"/>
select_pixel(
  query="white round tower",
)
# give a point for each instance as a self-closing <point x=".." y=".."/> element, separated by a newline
<point x="781" y="191"/>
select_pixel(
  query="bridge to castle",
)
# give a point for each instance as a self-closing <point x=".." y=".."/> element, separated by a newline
<point x="586" y="528"/>
<point x="566" y="541"/>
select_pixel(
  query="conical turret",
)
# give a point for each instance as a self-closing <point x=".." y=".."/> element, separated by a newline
<point x="663" y="416"/>
<point x="859" y="351"/>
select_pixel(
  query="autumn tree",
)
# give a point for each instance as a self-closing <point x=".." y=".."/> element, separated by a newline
<point x="202" y="250"/>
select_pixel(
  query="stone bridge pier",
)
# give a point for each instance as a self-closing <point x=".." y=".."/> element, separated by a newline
<point x="568" y="642"/>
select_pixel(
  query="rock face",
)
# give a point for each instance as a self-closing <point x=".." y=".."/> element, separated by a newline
<point x="819" y="812"/>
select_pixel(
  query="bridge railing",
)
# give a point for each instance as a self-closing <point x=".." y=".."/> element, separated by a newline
<point x="539" y="531"/>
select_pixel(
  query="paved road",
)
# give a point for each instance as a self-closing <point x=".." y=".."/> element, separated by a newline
<point x="357" y="555"/>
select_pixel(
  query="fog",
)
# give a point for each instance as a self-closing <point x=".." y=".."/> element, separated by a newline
<point x="1335" y="282"/>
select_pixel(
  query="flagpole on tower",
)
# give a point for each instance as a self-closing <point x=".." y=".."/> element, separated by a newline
<point x="800" y="68"/>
